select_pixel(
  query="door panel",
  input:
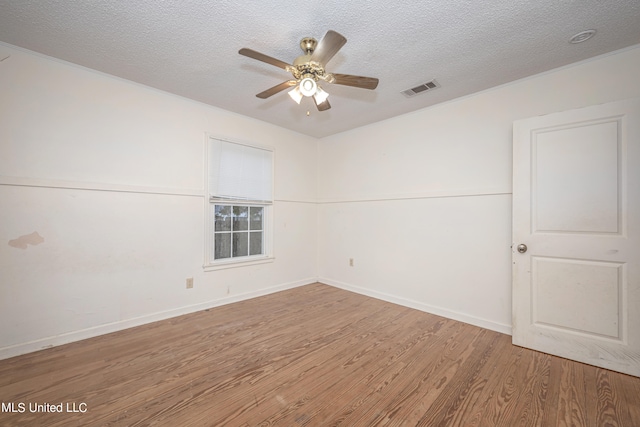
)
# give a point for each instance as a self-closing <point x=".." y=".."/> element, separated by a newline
<point x="576" y="171"/>
<point x="586" y="301"/>
<point x="576" y="205"/>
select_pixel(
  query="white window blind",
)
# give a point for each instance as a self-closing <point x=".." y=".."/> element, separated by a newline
<point x="240" y="172"/>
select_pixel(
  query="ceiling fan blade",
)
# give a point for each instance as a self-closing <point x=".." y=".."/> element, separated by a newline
<point x="277" y="88"/>
<point x="322" y="107"/>
<point x="328" y="47"/>
<point x="355" y="81"/>
<point x="264" y="58"/>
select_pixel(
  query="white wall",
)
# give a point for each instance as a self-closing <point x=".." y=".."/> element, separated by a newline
<point x="422" y="202"/>
<point x="110" y="174"/>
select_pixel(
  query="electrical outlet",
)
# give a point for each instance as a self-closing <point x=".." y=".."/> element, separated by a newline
<point x="189" y="282"/>
<point x="350" y="262"/>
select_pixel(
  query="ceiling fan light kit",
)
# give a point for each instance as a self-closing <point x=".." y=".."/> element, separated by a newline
<point x="308" y="69"/>
<point x="308" y="86"/>
<point x="296" y="95"/>
<point x="320" y="96"/>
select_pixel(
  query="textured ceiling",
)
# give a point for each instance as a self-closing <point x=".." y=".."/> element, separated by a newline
<point x="190" y="48"/>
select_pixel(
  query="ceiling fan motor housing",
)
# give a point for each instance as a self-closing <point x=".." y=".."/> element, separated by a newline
<point x="304" y="67"/>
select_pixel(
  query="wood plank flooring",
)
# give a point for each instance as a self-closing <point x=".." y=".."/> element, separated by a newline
<point x="311" y="356"/>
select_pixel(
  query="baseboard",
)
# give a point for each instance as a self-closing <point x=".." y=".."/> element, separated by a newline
<point x="450" y="314"/>
<point x="56" y="340"/>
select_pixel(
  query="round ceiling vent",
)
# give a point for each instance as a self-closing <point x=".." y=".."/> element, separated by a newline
<point x="582" y="36"/>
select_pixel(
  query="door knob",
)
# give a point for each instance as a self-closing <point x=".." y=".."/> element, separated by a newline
<point x="522" y="248"/>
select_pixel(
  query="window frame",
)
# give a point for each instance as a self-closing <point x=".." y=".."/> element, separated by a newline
<point x="249" y="231"/>
<point x="210" y="264"/>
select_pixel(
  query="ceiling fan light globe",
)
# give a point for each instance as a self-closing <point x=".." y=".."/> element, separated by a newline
<point x="295" y="94"/>
<point x="308" y="86"/>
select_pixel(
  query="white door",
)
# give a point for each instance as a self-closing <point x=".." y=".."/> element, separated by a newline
<point x="576" y="207"/>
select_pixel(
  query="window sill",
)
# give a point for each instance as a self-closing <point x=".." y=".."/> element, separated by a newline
<point x="220" y="265"/>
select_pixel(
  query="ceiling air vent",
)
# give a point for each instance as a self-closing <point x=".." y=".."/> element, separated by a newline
<point x="422" y="88"/>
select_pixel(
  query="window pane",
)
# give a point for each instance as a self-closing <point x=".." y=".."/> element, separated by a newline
<point x="222" y="245"/>
<point x="240" y="218"/>
<point x="222" y="218"/>
<point x="240" y="244"/>
<point x="255" y="245"/>
<point x="256" y="218"/>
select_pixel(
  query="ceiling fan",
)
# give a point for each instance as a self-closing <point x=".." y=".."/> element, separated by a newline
<point x="308" y="69"/>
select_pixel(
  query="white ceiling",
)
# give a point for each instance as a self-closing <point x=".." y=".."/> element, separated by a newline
<point x="190" y="48"/>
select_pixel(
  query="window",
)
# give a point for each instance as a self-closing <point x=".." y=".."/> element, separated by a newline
<point x="240" y="191"/>
<point x="238" y="231"/>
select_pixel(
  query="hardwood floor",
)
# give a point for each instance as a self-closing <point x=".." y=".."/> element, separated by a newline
<point x="311" y="356"/>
